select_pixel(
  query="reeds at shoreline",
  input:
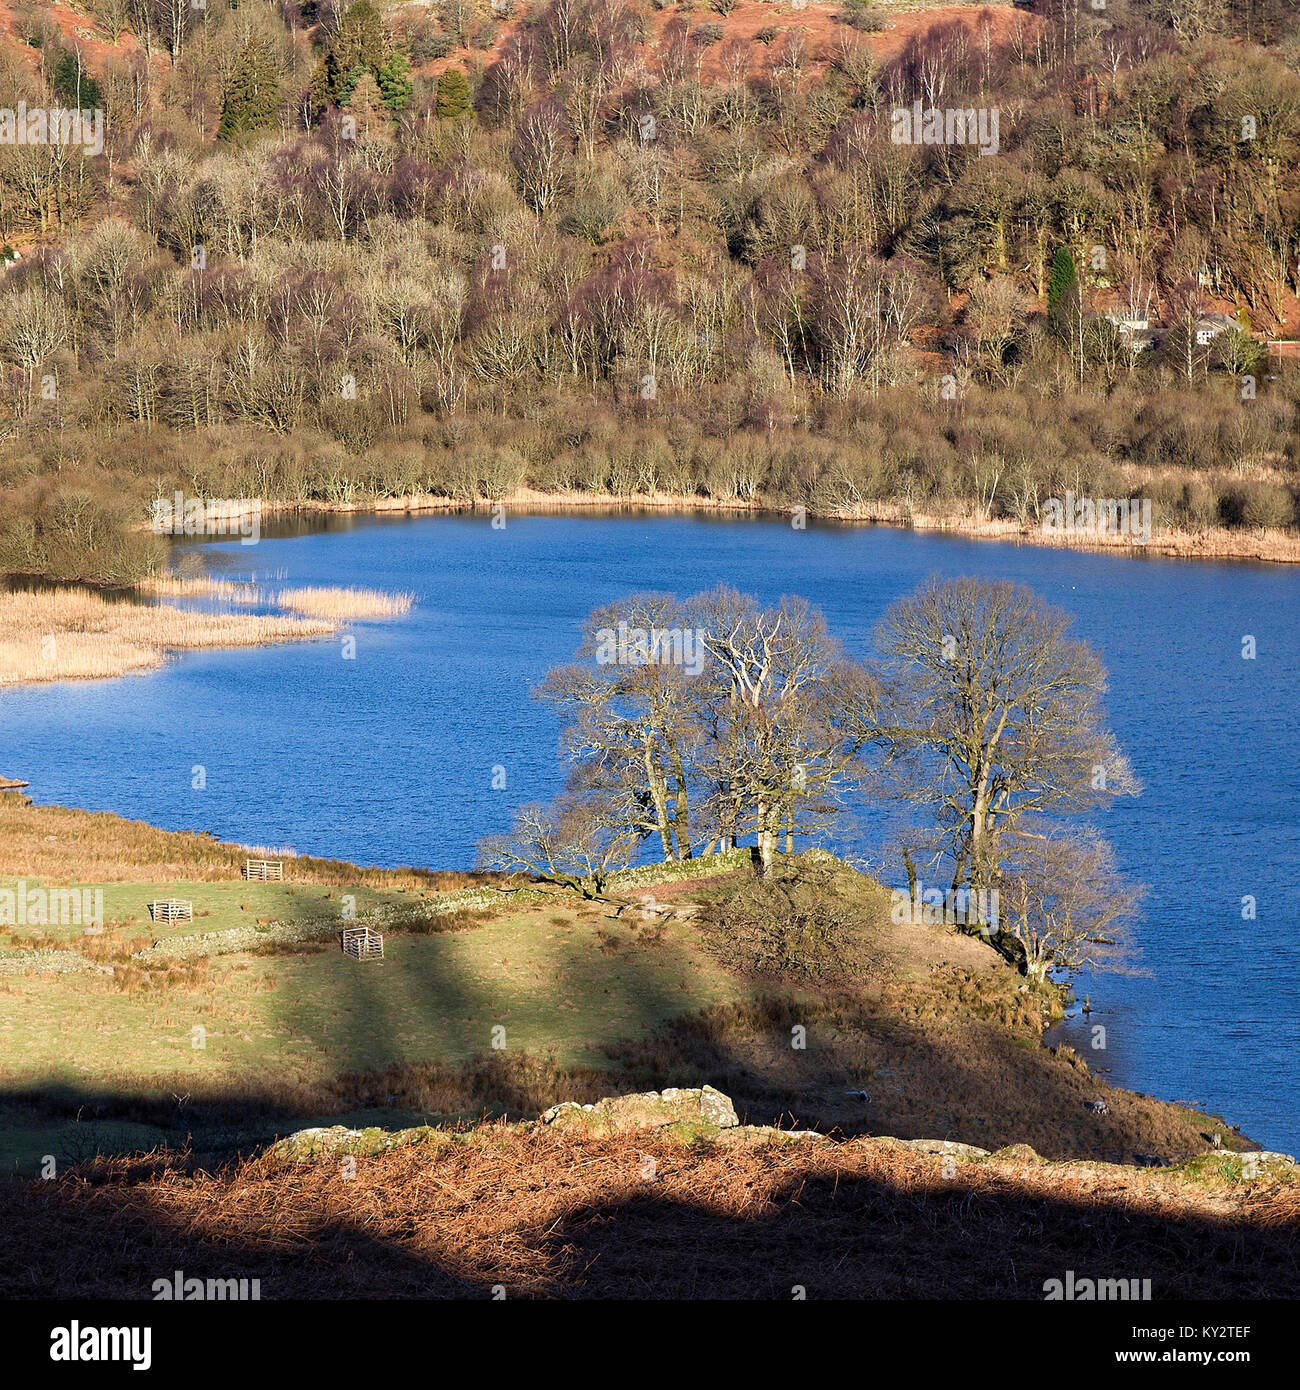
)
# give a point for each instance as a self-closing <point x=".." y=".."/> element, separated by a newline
<point x="72" y="634"/>
<point x="76" y="634"/>
<point x="342" y="603"/>
<point x="238" y="592"/>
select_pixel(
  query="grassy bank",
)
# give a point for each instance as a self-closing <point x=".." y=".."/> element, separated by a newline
<point x="504" y="1011"/>
<point x="145" y="1081"/>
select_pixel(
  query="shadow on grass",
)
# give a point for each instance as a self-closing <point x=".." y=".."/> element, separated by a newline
<point x="863" y="1070"/>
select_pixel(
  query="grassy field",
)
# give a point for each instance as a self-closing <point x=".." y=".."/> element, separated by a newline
<point x="504" y="1012"/>
<point x="280" y="1027"/>
<point x="217" y="907"/>
<point x="542" y="976"/>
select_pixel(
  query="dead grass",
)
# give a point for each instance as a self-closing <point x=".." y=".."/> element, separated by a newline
<point x="207" y="586"/>
<point x="960" y="518"/>
<point x="72" y="634"/>
<point x="64" y="845"/>
<point x="342" y="603"/>
<point x="1213" y="543"/>
<point x="957" y="1057"/>
<point x="646" y="1216"/>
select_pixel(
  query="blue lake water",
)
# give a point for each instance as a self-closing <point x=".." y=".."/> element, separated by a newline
<point x="388" y="758"/>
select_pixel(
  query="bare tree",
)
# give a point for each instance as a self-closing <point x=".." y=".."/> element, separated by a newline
<point x="1061" y="899"/>
<point x="993" y="714"/>
<point x="540" y="155"/>
<point x="629" y="714"/>
<point x="785" y="715"/>
<point x="995" y="312"/>
<point x="576" y="843"/>
<point x="1185" y="305"/>
<point x="35" y="325"/>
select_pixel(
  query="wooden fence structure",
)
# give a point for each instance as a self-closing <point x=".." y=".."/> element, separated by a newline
<point x="171" y="910"/>
<point x="363" y="943"/>
<point x="264" y="870"/>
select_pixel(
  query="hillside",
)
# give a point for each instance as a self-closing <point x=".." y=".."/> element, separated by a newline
<point x="347" y="257"/>
<point x="941" y="1033"/>
<point x="686" y="1210"/>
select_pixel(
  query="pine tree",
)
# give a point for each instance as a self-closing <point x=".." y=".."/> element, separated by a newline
<point x="1062" y="288"/>
<point x="394" y="78"/>
<point x="453" y="95"/>
<point x="360" y="40"/>
<point x="345" y="85"/>
<point x="252" y="95"/>
<point x="73" y="85"/>
<point x="320" y="91"/>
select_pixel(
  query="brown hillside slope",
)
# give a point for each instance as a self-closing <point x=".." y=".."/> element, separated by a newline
<point x="648" y="1215"/>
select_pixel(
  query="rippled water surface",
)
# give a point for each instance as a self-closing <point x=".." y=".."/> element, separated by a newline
<point x="388" y="758"/>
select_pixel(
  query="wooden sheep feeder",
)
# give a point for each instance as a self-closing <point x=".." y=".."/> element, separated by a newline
<point x="363" y="943"/>
<point x="264" y="870"/>
<point x="172" y="910"/>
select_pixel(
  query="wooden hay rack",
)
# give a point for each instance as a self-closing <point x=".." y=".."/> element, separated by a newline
<point x="171" y="910"/>
<point x="363" y="943"/>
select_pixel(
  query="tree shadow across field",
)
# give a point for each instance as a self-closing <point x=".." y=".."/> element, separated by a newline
<point x="543" y="1215"/>
<point x="409" y="1038"/>
<point x="445" y="998"/>
<point x="865" y="1070"/>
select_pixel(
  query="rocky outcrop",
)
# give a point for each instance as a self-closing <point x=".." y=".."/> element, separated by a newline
<point x="704" y="1110"/>
<point x="705" y="1115"/>
<point x="754" y="1136"/>
<point x="1240" y="1167"/>
<point x="336" y="1140"/>
<point x="1016" y="1153"/>
<point x="948" y="1148"/>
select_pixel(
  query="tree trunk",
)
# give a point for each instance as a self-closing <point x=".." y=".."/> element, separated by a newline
<point x="656" y="786"/>
<point x="765" y="839"/>
<point x="681" y="804"/>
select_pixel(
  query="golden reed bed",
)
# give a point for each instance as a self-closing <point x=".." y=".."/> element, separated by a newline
<point x="316" y="601"/>
<point x="73" y="634"/>
<point x="70" y="634"/>
<point x="339" y="603"/>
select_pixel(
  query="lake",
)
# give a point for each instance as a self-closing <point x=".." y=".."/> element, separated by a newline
<point x="388" y="758"/>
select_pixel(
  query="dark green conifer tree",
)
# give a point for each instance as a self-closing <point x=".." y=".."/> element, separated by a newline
<point x="252" y="95"/>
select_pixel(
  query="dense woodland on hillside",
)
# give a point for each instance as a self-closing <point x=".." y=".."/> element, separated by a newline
<point x="332" y="252"/>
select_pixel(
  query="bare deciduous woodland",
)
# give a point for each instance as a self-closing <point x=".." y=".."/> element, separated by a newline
<point x="331" y="255"/>
<point x="978" y="716"/>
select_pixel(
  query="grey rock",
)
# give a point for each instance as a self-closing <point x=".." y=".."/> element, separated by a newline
<point x="704" y="1107"/>
<point x="752" y="1136"/>
<point x="942" y="1146"/>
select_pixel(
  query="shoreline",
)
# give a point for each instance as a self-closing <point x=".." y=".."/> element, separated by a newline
<point x="1219" y="543"/>
<point x="68" y="634"/>
<point x="144" y="853"/>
